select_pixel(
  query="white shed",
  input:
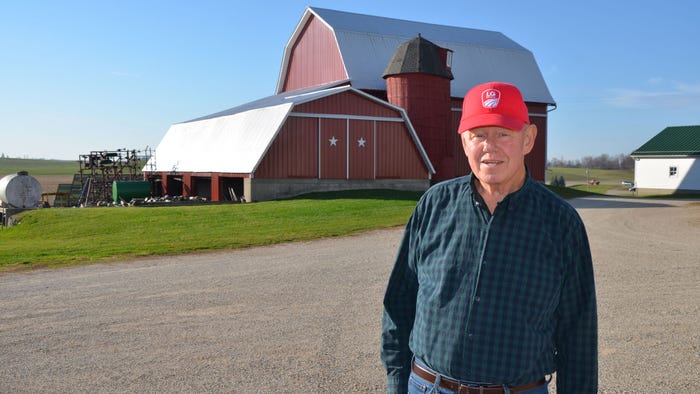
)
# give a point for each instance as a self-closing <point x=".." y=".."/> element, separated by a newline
<point x="670" y="161"/>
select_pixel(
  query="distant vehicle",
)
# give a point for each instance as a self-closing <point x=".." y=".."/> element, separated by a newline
<point x="593" y="182"/>
<point x="627" y="183"/>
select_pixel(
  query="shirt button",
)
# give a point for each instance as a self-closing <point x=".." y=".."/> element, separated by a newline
<point x="471" y="336"/>
<point x="477" y="299"/>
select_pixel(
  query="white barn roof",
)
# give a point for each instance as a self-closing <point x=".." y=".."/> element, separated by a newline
<point x="367" y="43"/>
<point x="220" y="144"/>
<point x="235" y="140"/>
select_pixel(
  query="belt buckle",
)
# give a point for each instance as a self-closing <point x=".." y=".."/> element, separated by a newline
<point x="466" y="389"/>
<point x="480" y="389"/>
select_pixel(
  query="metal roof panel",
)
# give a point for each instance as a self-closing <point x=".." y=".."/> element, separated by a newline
<point x="405" y="29"/>
<point x="672" y="141"/>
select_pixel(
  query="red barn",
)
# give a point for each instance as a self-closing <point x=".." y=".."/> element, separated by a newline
<point x="361" y="102"/>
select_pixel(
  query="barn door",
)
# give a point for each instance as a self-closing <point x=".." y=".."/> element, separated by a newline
<point x="334" y="148"/>
<point x="361" y="149"/>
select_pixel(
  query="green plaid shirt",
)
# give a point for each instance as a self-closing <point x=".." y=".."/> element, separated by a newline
<point x="504" y="298"/>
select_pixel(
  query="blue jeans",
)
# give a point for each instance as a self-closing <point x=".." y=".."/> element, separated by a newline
<point x="418" y="385"/>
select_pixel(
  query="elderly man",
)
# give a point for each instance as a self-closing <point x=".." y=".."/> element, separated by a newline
<point x="492" y="289"/>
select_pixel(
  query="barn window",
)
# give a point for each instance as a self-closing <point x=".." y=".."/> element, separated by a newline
<point x="672" y="171"/>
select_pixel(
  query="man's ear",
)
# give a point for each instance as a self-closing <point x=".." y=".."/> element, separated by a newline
<point x="464" y="136"/>
<point x="530" y="135"/>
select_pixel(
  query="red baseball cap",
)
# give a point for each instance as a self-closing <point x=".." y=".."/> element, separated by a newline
<point x="494" y="104"/>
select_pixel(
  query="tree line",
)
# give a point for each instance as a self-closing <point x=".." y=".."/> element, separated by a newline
<point x="602" y="162"/>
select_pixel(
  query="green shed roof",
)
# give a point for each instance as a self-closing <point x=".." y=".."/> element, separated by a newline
<point x="674" y="141"/>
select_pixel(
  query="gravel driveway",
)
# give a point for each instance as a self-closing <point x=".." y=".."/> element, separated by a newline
<point x="305" y="317"/>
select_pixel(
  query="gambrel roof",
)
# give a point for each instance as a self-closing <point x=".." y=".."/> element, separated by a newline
<point x="367" y="43"/>
<point x="672" y="141"/>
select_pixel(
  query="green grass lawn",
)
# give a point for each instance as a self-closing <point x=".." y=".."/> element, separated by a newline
<point x="68" y="236"/>
<point x="38" y="166"/>
<point x="574" y="176"/>
<point x="577" y="179"/>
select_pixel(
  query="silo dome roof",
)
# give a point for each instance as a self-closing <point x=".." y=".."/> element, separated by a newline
<point x="417" y="55"/>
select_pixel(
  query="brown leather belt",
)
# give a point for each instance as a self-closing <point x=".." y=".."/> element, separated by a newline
<point x="460" y="388"/>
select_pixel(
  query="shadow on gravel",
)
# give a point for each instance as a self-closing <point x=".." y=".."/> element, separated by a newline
<point x="602" y="202"/>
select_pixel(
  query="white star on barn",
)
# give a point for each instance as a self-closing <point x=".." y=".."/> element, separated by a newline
<point x="361" y="142"/>
<point x="333" y="141"/>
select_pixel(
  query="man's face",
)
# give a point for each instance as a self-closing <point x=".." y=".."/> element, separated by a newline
<point x="496" y="154"/>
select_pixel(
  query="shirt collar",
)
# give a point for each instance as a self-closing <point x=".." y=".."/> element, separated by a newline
<point x="510" y="200"/>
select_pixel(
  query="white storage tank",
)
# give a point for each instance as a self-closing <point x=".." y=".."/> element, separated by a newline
<point x="20" y="190"/>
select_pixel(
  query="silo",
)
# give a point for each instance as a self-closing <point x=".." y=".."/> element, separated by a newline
<point x="418" y="80"/>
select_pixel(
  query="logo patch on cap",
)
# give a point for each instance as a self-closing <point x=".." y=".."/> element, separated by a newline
<point x="490" y="98"/>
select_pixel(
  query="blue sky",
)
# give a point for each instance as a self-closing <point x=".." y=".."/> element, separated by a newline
<point x="77" y="76"/>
